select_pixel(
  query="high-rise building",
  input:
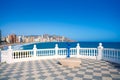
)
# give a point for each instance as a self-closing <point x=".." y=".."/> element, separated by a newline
<point x="12" y="38"/>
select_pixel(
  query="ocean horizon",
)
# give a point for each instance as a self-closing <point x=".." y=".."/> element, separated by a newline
<point x="46" y="45"/>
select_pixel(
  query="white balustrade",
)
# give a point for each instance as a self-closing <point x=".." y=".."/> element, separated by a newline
<point x="9" y="56"/>
<point x="112" y="55"/>
<point x="45" y="52"/>
<point x="62" y="51"/>
<point x="18" y="54"/>
<point x="88" y="51"/>
<point x="73" y="51"/>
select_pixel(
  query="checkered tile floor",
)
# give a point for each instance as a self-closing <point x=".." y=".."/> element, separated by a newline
<point x="50" y="70"/>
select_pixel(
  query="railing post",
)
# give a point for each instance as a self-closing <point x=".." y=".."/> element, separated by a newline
<point x="9" y="56"/>
<point x="35" y="50"/>
<point x="100" y="52"/>
<point x="56" y="50"/>
<point x="78" y="49"/>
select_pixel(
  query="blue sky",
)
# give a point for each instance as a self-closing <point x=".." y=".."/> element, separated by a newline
<point x="81" y="20"/>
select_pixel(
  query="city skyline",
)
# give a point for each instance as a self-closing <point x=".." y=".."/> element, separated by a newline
<point x="87" y="20"/>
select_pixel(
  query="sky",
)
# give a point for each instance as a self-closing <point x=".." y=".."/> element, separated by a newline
<point x="80" y="20"/>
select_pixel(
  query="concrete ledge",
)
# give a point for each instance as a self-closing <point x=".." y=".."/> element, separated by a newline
<point x="70" y="62"/>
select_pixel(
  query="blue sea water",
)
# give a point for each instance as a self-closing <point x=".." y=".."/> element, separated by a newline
<point x="115" y="45"/>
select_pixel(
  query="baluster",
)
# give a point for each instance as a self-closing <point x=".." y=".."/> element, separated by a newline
<point x="28" y="54"/>
<point x="14" y="55"/>
<point x="62" y="52"/>
<point x="106" y="53"/>
<point x="114" y="53"/>
<point x="74" y="52"/>
<point x="20" y="54"/>
<point x="91" y="54"/>
<point x="88" y="52"/>
<point x="50" y="53"/>
<point x="83" y="52"/>
<point x="47" y="52"/>
<point x="42" y="53"/>
<point x="94" y="52"/>
<point x="25" y="53"/>
<point x="112" y="56"/>
<point x="71" y="53"/>
<point x="117" y="55"/>
<point x="38" y="52"/>
<point x="65" y="52"/>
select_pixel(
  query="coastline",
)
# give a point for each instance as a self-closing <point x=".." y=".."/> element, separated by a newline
<point x="17" y="44"/>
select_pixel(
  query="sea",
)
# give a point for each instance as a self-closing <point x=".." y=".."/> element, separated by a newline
<point x="46" y="45"/>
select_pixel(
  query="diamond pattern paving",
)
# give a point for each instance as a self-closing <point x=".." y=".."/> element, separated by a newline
<point x="50" y="70"/>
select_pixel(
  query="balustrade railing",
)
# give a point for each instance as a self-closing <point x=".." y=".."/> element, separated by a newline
<point x="62" y="51"/>
<point x="88" y="51"/>
<point x="45" y="52"/>
<point x="112" y="55"/>
<point x="73" y="51"/>
<point x="100" y="53"/>
<point x="18" y="54"/>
